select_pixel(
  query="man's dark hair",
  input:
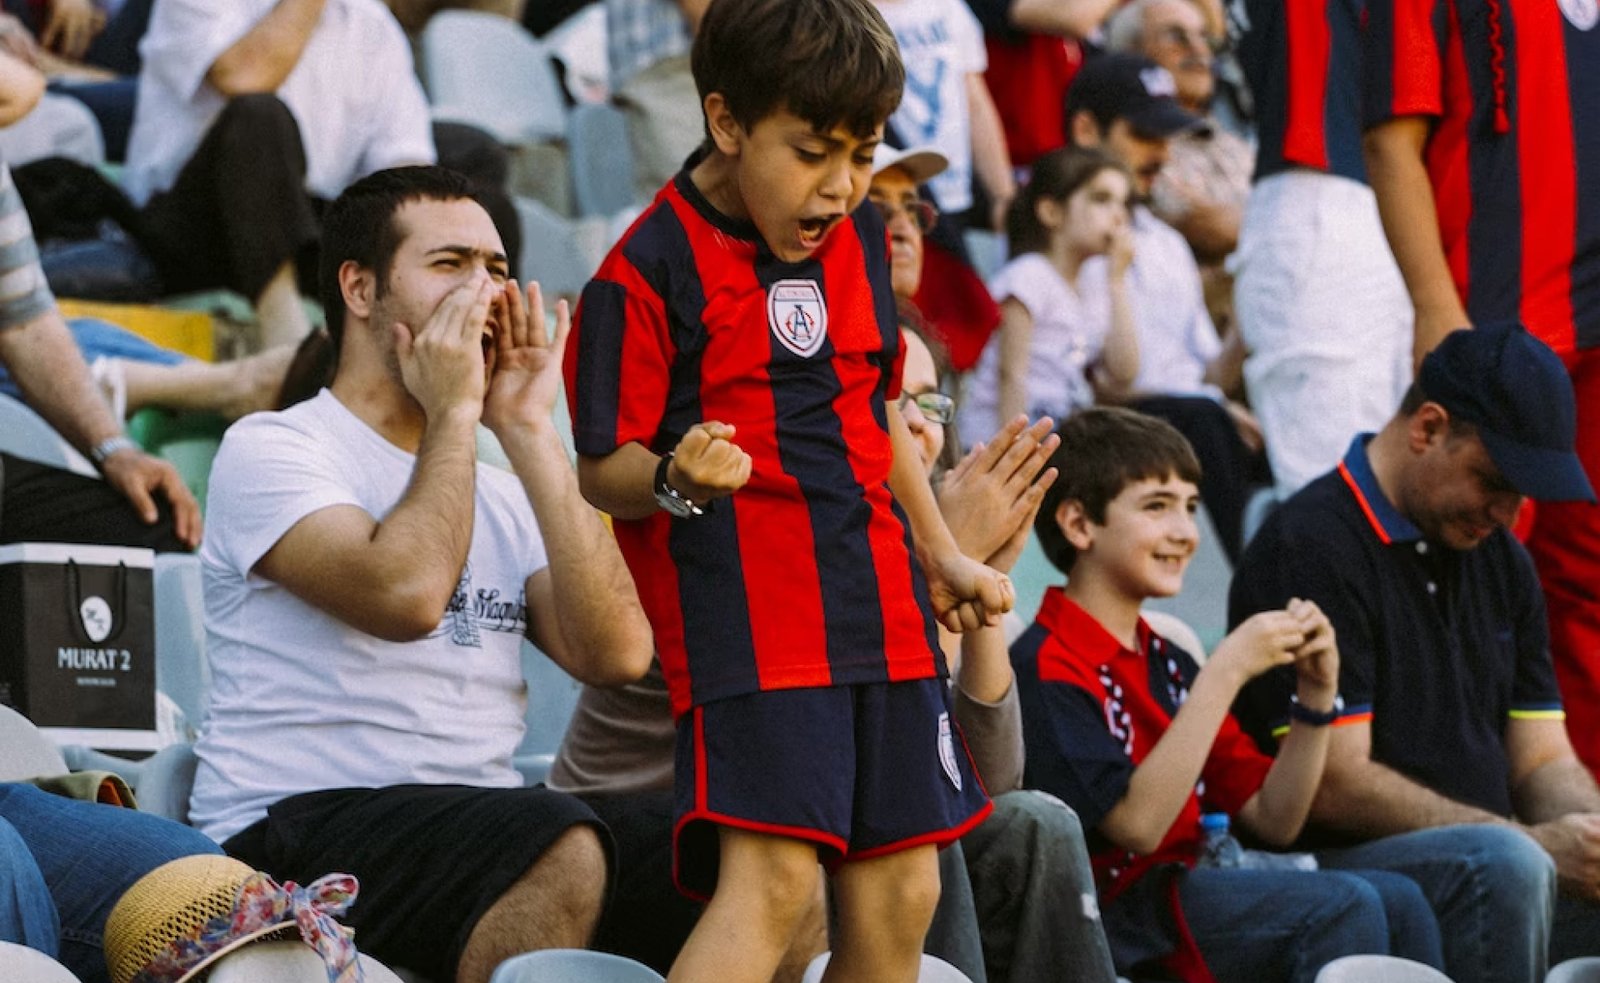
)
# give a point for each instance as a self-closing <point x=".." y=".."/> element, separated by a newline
<point x="1412" y="401"/>
<point x="829" y="62"/>
<point x="1103" y="450"/>
<point x="359" y="226"/>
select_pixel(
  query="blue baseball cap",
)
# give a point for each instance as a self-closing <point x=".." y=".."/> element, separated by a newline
<point x="1515" y="390"/>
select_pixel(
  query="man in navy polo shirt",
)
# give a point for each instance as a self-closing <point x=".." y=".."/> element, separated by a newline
<point x="1451" y="736"/>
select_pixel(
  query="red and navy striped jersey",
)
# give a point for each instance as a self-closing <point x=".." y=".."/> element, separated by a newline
<point x="1514" y="156"/>
<point x="1303" y="61"/>
<point x="806" y="575"/>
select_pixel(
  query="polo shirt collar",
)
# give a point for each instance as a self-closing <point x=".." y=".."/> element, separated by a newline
<point x="1088" y="638"/>
<point x="1386" y="521"/>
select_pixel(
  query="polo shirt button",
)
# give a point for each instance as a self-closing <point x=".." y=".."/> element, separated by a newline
<point x="1433" y="588"/>
<point x="1422" y="547"/>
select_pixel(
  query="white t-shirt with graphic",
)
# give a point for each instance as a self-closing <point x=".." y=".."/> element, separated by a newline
<point x="941" y="44"/>
<point x="300" y="701"/>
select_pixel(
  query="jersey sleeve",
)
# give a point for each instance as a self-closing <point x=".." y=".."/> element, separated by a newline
<point x="1071" y="754"/>
<point x="1403" y="59"/>
<point x="618" y="361"/>
<point x="1534" y="693"/>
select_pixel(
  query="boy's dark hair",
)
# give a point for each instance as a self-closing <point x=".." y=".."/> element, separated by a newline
<point x="829" y="62"/>
<point x="359" y="226"/>
<point x="1056" y="177"/>
<point x="1104" y="449"/>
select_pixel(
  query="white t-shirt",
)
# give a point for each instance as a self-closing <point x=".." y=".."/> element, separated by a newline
<point x="353" y="93"/>
<point x="301" y="701"/>
<point x="1069" y="333"/>
<point x="940" y="44"/>
<point x="1177" y="340"/>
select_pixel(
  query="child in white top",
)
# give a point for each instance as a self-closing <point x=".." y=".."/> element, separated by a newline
<point x="1063" y="336"/>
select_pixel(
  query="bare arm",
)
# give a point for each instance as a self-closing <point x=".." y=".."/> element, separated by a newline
<point x="1393" y="153"/>
<point x="706" y="465"/>
<point x="21" y="85"/>
<point x="1119" y="359"/>
<point x="991" y="160"/>
<point x="1016" y="344"/>
<point x="1211" y="229"/>
<point x="264" y="57"/>
<point x="585" y="613"/>
<point x="1066" y="18"/>
<point x="1555" y="794"/>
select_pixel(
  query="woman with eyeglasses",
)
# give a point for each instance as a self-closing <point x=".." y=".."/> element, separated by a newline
<point x="1066" y="335"/>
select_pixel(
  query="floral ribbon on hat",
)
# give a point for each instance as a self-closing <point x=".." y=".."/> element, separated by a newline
<point x="262" y="903"/>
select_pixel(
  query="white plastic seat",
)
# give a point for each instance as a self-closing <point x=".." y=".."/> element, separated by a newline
<point x="934" y="970"/>
<point x="1584" y="970"/>
<point x="286" y="962"/>
<point x="488" y="71"/>
<point x="1378" y="969"/>
<point x="572" y="966"/>
<point x="24" y="965"/>
<point x="25" y="434"/>
<point x="24" y="751"/>
<point x="601" y="160"/>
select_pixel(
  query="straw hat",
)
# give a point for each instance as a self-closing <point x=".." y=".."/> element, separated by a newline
<point x="179" y="919"/>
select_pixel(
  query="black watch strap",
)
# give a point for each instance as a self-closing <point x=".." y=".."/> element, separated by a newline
<point x="669" y="498"/>
<point x="1316" y="718"/>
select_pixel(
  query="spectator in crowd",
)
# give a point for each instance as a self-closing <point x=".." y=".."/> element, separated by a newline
<point x="65" y="862"/>
<point x="142" y="501"/>
<point x="252" y="115"/>
<point x="1126" y="105"/>
<point x="1450" y="709"/>
<point x="947" y="106"/>
<point x="647" y="45"/>
<point x="1137" y="738"/>
<point x="1202" y="186"/>
<point x="1321" y="305"/>
<point x="1063" y="334"/>
<point x="1035" y="47"/>
<point x="368" y="587"/>
<point x="1524" y="246"/>
<point x="782" y="659"/>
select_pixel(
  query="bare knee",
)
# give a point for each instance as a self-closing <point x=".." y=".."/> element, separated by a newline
<point x="772" y="878"/>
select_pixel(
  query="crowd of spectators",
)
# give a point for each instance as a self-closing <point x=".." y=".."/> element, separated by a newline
<point x="1240" y="245"/>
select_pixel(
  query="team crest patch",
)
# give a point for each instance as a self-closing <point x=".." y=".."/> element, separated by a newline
<point x="947" y="752"/>
<point x="798" y="315"/>
<point x="1582" y="14"/>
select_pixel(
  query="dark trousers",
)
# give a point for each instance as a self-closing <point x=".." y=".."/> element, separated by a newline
<point x="1230" y="471"/>
<point x="41" y="504"/>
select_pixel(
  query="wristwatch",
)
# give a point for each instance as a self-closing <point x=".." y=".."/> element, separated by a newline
<point x="1316" y="718"/>
<point x="669" y="498"/>
<point x="99" y="453"/>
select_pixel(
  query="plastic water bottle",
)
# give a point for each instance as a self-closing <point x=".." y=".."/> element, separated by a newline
<point x="1217" y="847"/>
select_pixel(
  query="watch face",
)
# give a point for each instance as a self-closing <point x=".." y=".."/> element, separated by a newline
<point x="677" y="507"/>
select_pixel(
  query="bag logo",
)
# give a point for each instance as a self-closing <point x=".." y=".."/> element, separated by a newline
<point x="798" y="315"/>
<point x="947" y="752"/>
<point x="1582" y="14"/>
<point x="95" y="614"/>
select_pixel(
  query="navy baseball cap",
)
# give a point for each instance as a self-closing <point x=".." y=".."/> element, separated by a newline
<point x="1515" y="390"/>
<point x="1134" y="88"/>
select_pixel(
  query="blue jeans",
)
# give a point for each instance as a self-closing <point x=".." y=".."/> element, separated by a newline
<point x="1492" y="888"/>
<point x="64" y="864"/>
<point x="1277" y="925"/>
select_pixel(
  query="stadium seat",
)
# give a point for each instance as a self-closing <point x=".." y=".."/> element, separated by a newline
<point x="23" y="433"/>
<point x="286" y="962"/>
<point x="601" y="160"/>
<point x="552" y="696"/>
<point x="551" y="251"/>
<point x="24" y="751"/>
<point x="934" y="970"/>
<point x="1378" y="969"/>
<point x="487" y="71"/>
<point x="1585" y="970"/>
<point x="23" y="965"/>
<point x="572" y="966"/>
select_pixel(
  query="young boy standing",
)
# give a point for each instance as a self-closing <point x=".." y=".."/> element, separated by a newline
<point x="734" y="383"/>
<point x="1131" y="733"/>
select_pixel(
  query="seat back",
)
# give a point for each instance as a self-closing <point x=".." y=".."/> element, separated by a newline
<point x="488" y="71"/>
<point x="572" y="966"/>
<point x="1378" y="969"/>
<point x="1584" y="970"/>
<point x="181" y="669"/>
<point x="551" y="251"/>
<point x="24" y="965"/>
<point x="23" y="433"/>
<point x="934" y="970"/>
<point x="601" y="160"/>
<point x="24" y="751"/>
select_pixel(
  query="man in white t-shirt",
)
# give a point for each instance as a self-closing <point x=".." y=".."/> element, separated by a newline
<point x="248" y="108"/>
<point x="368" y="587"/>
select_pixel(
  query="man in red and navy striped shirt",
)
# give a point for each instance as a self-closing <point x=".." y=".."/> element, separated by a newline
<point x="1483" y="146"/>
<point x="1320" y="302"/>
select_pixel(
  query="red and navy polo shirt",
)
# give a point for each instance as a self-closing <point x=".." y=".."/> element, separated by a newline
<point x="1438" y="648"/>
<point x="1092" y="710"/>
<point x="805" y="576"/>
<point x="1514" y="156"/>
<point x="1302" y="59"/>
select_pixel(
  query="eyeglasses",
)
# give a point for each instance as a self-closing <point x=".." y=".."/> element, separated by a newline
<point x="921" y="213"/>
<point x="1183" y="37"/>
<point x="934" y="407"/>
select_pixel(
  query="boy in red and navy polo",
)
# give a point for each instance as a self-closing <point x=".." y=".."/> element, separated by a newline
<point x="733" y="383"/>
<point x="1131" y="733"/>
<point x="1484" y="133"/>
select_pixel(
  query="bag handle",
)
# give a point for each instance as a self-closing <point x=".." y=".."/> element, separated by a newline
<point x="119" y="616"/>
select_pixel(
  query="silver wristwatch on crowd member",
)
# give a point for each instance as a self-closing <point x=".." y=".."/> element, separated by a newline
<point x="101" y="452"/>
<point x="669" y="498"/>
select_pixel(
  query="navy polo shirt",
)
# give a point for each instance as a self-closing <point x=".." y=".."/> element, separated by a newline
<point x="1438" y="648"/>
